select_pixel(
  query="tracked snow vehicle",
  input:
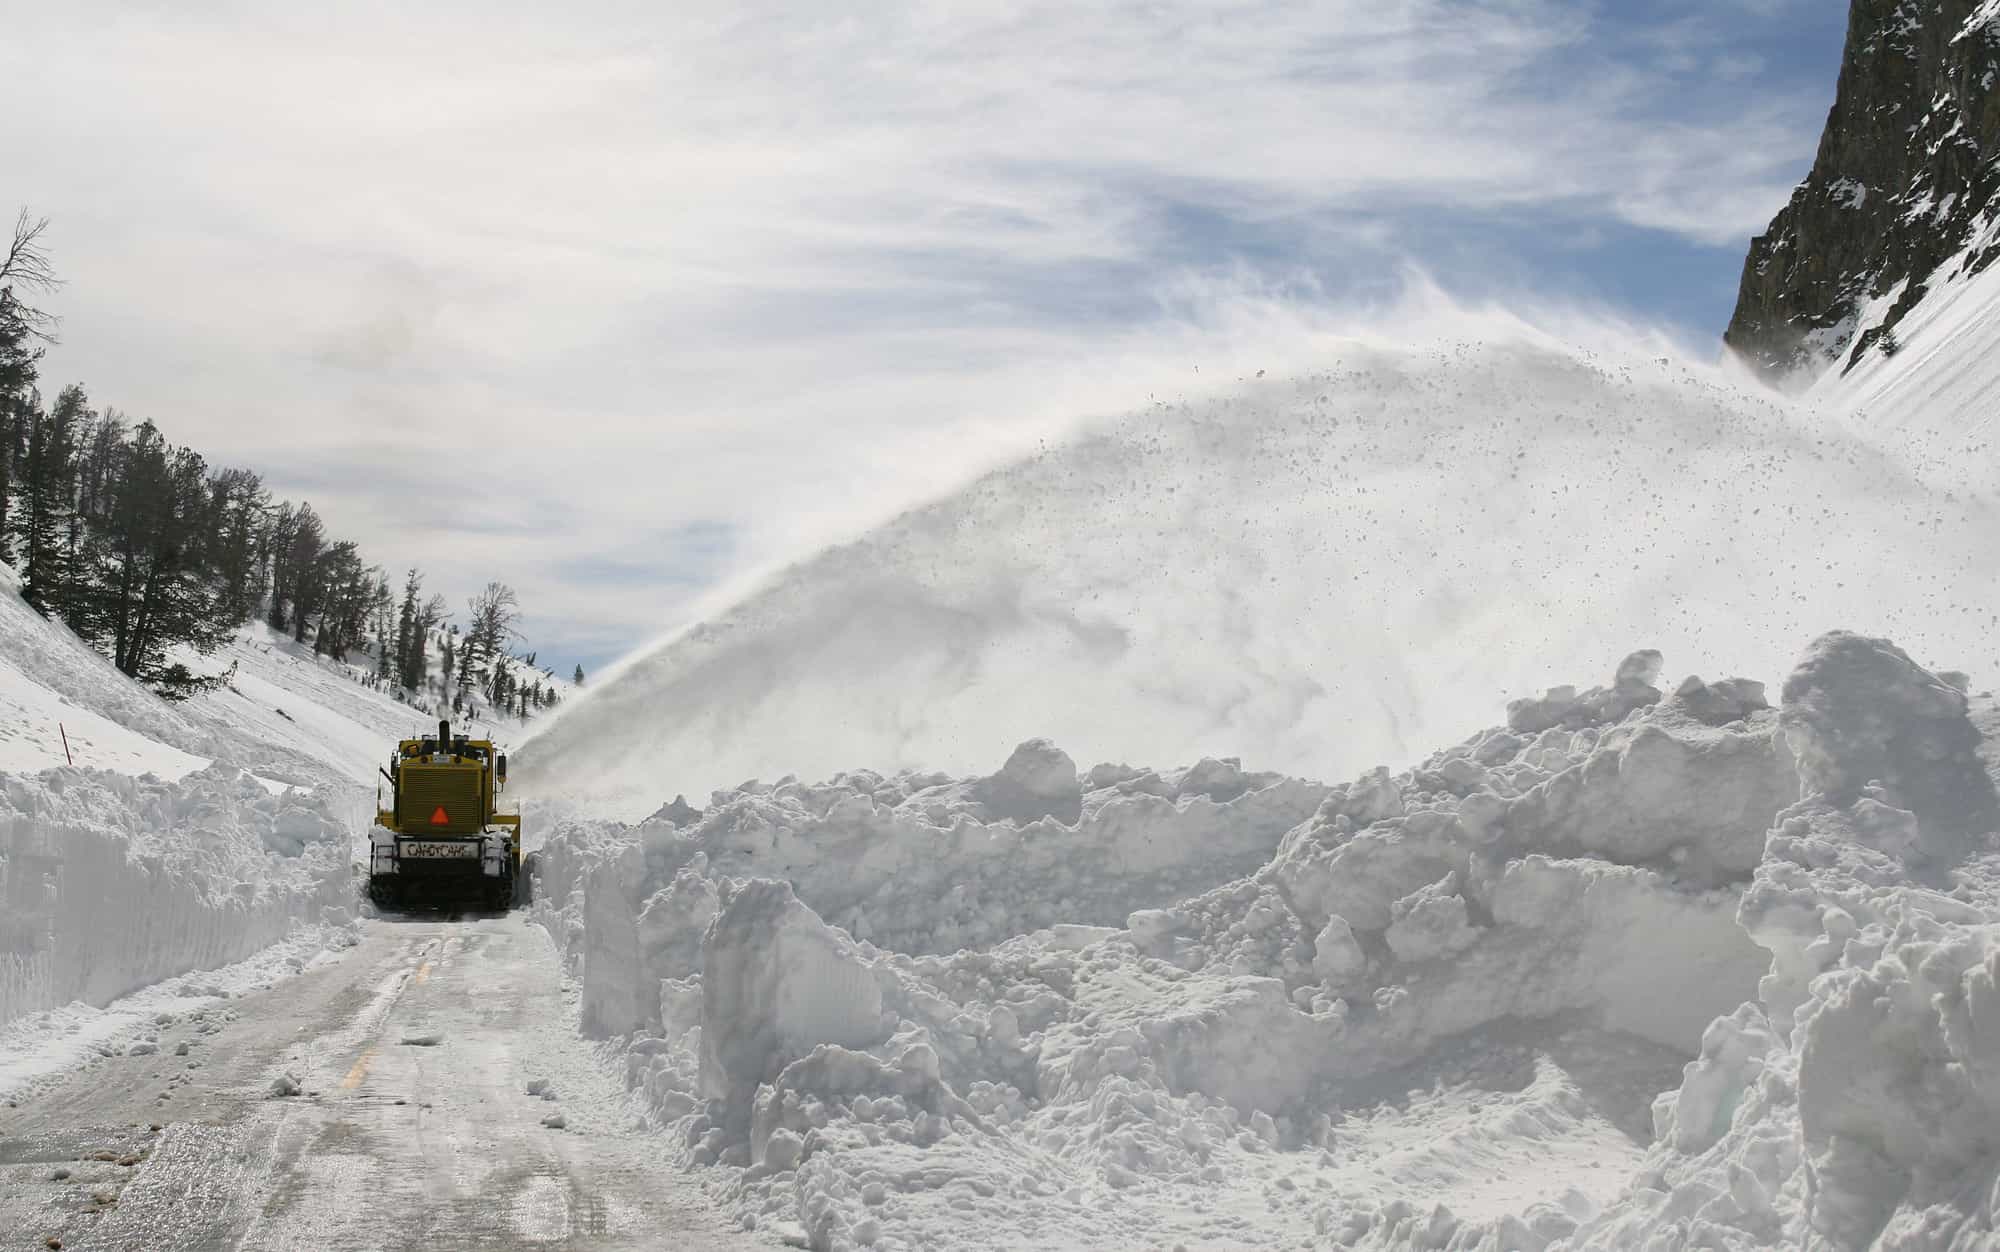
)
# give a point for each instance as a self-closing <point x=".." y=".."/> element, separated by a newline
<point x="442" y="839"/>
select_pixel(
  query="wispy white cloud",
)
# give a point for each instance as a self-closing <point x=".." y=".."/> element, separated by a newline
<point x="615" y="269"/>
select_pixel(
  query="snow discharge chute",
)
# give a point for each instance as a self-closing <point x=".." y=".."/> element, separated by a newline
<point x="1314" y="574"/>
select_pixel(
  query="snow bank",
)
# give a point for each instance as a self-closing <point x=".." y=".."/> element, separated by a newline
<point x="112" y="882"/>
<point x="917" y="863"/>
<point x="1052" y="1008"/>
<point x="1317" y="573"/>
<point x="1855" y="1102"/>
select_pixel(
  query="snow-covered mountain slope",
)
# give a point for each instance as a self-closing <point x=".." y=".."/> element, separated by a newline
<point x="185" y="836"/>
<point x="287" y="715"/>
<point x="52" y="684"/>
<point x="1423" y="1010"/>
<point x="1313" y="573"/>
<point x="1904" y="184"/>
<point x="329" y="711"/>
<point x="1943" y="380"/>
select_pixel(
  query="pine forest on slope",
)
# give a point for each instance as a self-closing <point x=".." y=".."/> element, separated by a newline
<point x="156" y="559"/>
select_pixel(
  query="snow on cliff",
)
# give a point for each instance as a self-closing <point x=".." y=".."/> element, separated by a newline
<point x="1316" y="574"/>
<point x="1047" y="1008"/>
<point x="1944" y="373"/>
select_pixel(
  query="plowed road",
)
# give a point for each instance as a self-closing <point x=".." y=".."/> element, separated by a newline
<point x="412" y="1128"/>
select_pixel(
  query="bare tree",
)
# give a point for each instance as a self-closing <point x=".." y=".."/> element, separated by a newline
<point x="24" y="329"/>
<point x="28" y="268"/>
<point x="494" y="611"/>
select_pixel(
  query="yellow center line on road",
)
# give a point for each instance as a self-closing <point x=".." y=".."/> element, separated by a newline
<point x="360" y="1071"/>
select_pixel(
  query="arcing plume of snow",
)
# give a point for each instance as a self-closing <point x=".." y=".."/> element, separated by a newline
<point x="112" y="882"/>
<point x="1429" y="1009"/>
<point x="1314" y="572"/>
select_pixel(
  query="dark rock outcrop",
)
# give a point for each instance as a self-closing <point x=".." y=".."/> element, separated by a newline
<point x="1905" y="180"/>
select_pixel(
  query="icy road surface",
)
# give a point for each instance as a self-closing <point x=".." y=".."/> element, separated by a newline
<point x="413" y="1126"/>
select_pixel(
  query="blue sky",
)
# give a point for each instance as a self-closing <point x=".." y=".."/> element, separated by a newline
<point x="665" y="294"/>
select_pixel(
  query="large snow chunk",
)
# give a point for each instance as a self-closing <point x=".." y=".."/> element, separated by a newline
<point x="1721" y="703"/>
<point x="1337" y="957"/>
<point x="1733" y="1049"/>
<point x="777" y="982"/>
<point x="675" y="921"/>
<point x="615" y="999"/>
<point x="1039" y="780"/>
<point x="1631" y="688"/>
<point x="1665" y="787"/>
<point x="1650" y="958"/>
<point x="1859" y="710"/>
<point x="1431" y="922"/>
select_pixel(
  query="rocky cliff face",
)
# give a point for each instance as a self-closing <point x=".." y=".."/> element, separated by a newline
<point x="1906" y="180"/>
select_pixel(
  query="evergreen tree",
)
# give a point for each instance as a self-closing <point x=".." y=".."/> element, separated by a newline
<point x="156" y="594"/>
<point x="97" y="465"/>
<point x="343" y="590"/>
<point x="383" y="609"/>
<point x="277" y="546"/>
<point x="239" y="507"/>
<point x="579" y="675"/>
<point x="302" y="568"/>
<point x="498" y="684"/>
<point x="429" y="617"/>
<point x="48" y="495"/>
<point x="142" y="549"/>
<point x="24" y="331"/>
<point x="407" y="651"/>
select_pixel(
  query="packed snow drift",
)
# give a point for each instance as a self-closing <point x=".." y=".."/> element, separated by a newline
<point x="1653" y="964"/>
<point x="1316" y="574"/>
<point x="186" y="836"/>
<point x="112" y="883"/>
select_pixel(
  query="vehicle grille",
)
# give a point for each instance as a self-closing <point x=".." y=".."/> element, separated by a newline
<point x="427" y="788"/>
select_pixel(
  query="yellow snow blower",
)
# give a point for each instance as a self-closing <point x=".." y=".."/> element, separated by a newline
<point x="442" y="839"/>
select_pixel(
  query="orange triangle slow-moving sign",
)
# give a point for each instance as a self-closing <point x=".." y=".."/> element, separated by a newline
<point x="440" y="818"/>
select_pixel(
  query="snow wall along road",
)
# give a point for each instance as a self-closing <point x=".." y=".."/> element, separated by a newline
<point x="1316" y="574"/>
<point x="1655" y="965"/>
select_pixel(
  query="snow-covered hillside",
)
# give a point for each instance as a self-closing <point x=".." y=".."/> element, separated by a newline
<point x="1944" y="377"/>
<point x="1429" y="1009"/>
<point x="52" y="683"/>
<point x="185" y="836"/>
<point x="1316" y="573"/>
<point x="288" y="715"/>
